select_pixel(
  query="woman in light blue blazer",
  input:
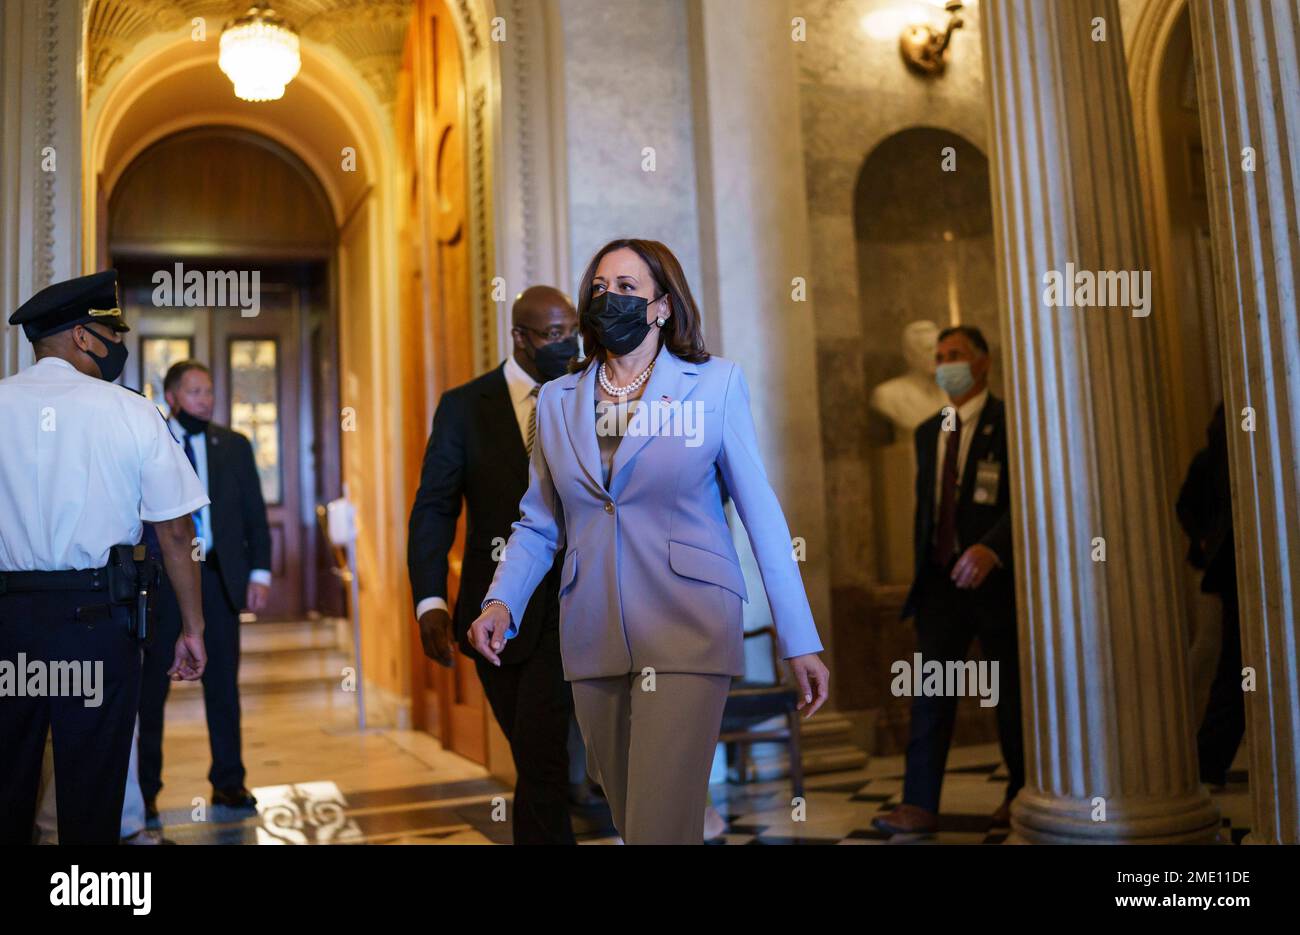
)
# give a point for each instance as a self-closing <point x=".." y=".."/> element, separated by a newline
<point x="635" y="453"/>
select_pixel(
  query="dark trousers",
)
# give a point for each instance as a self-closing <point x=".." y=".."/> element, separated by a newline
<point x="533" y="704"/>
<point x="92" y="745"/>
<point x="220" y="684"/>
<point x="947" y="620"/>
<point x="1225" y="715"/>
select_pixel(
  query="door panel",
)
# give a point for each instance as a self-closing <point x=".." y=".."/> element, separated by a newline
<point x="436" y="303"/>
<point x="256" y="370"/>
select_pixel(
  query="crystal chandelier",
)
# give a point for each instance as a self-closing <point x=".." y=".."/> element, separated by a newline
<point x="259" y="54"/>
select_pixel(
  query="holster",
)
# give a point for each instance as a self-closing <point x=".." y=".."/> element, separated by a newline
<point x="133" y="580"/>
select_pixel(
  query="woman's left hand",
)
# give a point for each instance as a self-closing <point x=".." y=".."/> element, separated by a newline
<point x="814" y="682"/>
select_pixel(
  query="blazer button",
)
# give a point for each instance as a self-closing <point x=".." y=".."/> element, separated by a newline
<point x="609" y="507"/>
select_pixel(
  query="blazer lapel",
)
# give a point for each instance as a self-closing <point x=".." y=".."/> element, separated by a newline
<point x="503" y="426"/>
<point x="214" y="452"/>
<point x="979" y="446"/>
<point x="580" y="422"/>
<point x="672" y="380"/>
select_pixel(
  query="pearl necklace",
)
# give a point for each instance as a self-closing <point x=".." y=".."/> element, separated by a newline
<point x="632" y="387"/>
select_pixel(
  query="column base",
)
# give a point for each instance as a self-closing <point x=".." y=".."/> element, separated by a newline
<point x="1041" y="818"/>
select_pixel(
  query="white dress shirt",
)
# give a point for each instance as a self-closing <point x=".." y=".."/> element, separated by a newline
<point x="969" y="413"/>
<point x="84" y="463"/>
<point x="199" y="444"/>
<point x="520" y="386"/>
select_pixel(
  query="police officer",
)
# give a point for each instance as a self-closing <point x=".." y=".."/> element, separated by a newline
<point x="83" y="464"/>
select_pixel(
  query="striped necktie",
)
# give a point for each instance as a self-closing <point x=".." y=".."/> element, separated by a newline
<point x="532" y="421"/>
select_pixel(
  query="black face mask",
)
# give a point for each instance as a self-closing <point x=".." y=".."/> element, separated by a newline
<point x="552" y="360"/>
<point x="192" y="425"/>
<point x="618" y="320"/>
<point x="111" y="362"/>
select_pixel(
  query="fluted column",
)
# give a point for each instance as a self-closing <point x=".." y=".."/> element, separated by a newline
<point x="1248" y="73"/>
<point x="40" y="157"/>
<point x="1108" y="733"/>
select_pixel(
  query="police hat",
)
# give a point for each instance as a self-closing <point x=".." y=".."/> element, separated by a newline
<point x="71" y="302"/>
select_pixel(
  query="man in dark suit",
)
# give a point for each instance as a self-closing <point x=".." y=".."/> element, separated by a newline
<point x="478" y="452"/>
<point x="963" y="587"/>
<point x="235" y="545"/>
<point x="1205" y="512"/>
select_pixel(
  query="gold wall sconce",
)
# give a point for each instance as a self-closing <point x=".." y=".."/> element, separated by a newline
<point x="922" y="40"/>
<point x="924" y="48"/>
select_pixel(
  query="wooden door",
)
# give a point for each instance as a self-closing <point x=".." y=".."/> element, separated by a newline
<point x="436" y="306"/>
<point x="257" y="371"/>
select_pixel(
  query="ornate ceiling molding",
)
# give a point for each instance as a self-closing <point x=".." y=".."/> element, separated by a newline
<point x="369" y="33"/>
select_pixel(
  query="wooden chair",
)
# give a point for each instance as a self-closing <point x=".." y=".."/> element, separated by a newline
<point x="751" y="703"/>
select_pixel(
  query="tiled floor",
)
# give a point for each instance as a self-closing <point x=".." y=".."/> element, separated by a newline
<point x="841" y="805"/>
<point x="319" y="780"/>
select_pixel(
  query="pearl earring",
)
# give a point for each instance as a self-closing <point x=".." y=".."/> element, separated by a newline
<point x="660" y="321"/>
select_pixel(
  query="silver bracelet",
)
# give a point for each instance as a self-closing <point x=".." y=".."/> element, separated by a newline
<point x="487" y="604"/>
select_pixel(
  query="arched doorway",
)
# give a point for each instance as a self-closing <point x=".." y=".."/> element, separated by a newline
<point x="243" y="212"/>
<point x="1167" y="124"/>
<point x="150" y="79"/>
<point x="923" y="242"/>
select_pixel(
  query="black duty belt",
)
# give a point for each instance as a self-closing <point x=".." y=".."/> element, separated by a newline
<point x="92" y="579"/>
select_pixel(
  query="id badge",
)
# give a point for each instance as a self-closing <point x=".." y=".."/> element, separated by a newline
<point x="987" y="476"/>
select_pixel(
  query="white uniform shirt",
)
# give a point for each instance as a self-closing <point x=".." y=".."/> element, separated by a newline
<point x="199" y="444"/>
<point x="969" y="413"/>
<point x="520" y="386"/>
<point x="83" y="463"/>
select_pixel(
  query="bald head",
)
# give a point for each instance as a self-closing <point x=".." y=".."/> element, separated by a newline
<point x="541" y="315"/>
<point x="538" y="306"/>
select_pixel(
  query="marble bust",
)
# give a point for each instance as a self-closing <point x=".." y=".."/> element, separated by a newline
<point x="908" y="400"/>
<point x="899" y="405"/>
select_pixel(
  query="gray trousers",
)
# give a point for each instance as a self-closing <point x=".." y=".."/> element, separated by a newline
<point x="652" y="750"/>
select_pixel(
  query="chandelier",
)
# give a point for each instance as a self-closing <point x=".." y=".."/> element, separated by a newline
<point x="259" y="54"/>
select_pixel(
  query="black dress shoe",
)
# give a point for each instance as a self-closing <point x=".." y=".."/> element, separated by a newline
<point x="238" y="797"/>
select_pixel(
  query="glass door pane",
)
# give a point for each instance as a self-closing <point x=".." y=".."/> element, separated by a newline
<point x="255" y="406"/>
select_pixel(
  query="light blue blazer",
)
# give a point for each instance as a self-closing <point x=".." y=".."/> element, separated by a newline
<point x="650" y="575"/>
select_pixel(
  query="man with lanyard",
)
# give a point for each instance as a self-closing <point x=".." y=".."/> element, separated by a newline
<point x="85" y="463"/>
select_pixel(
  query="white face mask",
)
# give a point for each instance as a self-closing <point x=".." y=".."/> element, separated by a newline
<point x="955" y="378"/>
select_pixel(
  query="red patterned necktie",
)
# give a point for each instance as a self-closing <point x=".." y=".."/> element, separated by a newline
<point x="945" y="542"/>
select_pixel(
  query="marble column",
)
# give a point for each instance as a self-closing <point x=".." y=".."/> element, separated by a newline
<point x="40" y="188"/>
<point x="754" y="242"/>
<point x="1248" y="75"/>
<point x="1108" y="721"/>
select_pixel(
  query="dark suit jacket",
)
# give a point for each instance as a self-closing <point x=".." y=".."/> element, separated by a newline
<point x="989" y="524"/>
<point x="241" y="538"/>
<point x="475" y="454"/>
<point x="1205" y="511"/>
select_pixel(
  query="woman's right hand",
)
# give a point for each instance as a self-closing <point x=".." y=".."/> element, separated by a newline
<point x="487" y="634"/>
